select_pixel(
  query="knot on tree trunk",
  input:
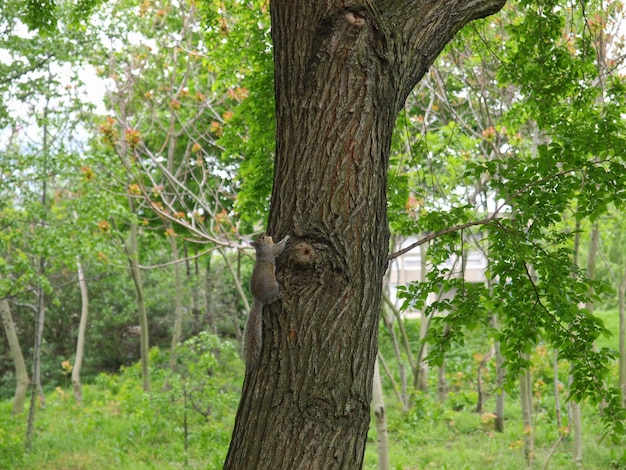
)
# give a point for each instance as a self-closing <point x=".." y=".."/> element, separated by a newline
<point x="303" y="256"/>
<point x="355" y="19"/>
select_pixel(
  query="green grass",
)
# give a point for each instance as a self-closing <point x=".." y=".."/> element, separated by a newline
<point x="125" y="430"/>
<point x="466" y="440"/>
<point x="108" y="433"/>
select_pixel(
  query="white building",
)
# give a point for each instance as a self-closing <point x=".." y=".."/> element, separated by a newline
<point x="410" y="267"/>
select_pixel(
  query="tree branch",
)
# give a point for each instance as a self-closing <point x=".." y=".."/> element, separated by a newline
<point x="425" y="28"/>
<point x="434" y="235"/>
<point x="33" y="67"/>
<point x="485" y="221"/>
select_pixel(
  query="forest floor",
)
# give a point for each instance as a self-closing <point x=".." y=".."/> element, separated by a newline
<point x="121" y="427"/>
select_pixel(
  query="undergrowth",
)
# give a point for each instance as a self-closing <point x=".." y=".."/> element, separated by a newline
<point x="185" y="421"/>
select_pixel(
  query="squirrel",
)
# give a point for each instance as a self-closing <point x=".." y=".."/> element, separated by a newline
<point x="264" y="290"/>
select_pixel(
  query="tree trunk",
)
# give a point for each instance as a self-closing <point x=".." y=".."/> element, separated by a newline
<point x="82" y="328"/>
<point x="526" y="398"/>
<point x="197" y="290"/>
<point x="622" y="337"/>
<point x="422" y="373"/>
<point x="576" y="423"/>
<point x="500" y="395"/>
<point x="482" y="395"/>
<point x="442" y="383"/>
<point x="401" y="365"/>
<point x="135" y="272"/>
<point x="41" y="301"/>
<point x="396" y="389"/>
<point x="36" y="385"/>
<point x="236" y="278"/>
<point x="388" y="321"/>
<point x="177" y="330"/>
<point x="21" y="374"/>
<point x="380" y="415"/>
<point x="577" y="429"/>
<point x="500" y="378"/>
<point x="557" y="398"/>
<point x="211" y="324"/>
<point x="342" y="73"/>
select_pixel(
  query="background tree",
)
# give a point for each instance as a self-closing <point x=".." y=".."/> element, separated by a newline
<point x="45" y="109"/>
<point x="484" y="98"/>
<point x="21" y="373"/>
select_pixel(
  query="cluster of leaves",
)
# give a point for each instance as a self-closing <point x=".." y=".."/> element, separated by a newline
<point x="246" y="63"/>
<point x="537" y="153"/>
<point x="41" y="112"/>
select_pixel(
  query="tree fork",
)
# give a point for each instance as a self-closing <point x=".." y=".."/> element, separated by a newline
<point x="342" y="73"/>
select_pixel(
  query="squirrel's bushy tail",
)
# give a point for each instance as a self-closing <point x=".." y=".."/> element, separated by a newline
<point x="253" y="335"/>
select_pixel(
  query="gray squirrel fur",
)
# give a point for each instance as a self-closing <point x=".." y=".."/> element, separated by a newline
<point x="264" y="290"/>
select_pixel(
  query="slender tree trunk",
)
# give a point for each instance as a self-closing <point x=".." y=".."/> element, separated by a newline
<point x="396" y="389"/>
<point x="526" y="399"/>
<point x="422" y="373"/>
<point x="234" y="274"/>
<point x="442" y="383"/>
<point x="380" y="415"/>
<point x="622" y="337"/>
<point x="388" y="321"/>
<point x="177" y="330"/>
<point x="400" y="362"/>
<point x="135" y="272"/>
<point x="342" y="73"/>
<point x="82" y="328"/>
<point x="576" y="429"/>
<point x="576" y="424"/>
<point x="197" y="290"/>
<point x="499" y="411"/>
<point x="36" y="385"/>
<point x="479" y="380"/>
<point x="577" y="443"/>
<point x="500" y="377"/>
<point x="41" y="303"/>
<point x="21" y="374"/>
<point x="208" y="299"/>
<point x="557" y="399"/>
<point x="405" y="338"/>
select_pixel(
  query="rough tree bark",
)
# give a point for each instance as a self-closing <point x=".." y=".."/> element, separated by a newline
<point x="342" y="73"/>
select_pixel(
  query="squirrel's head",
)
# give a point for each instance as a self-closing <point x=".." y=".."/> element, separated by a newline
<point x="262" y="240"/>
